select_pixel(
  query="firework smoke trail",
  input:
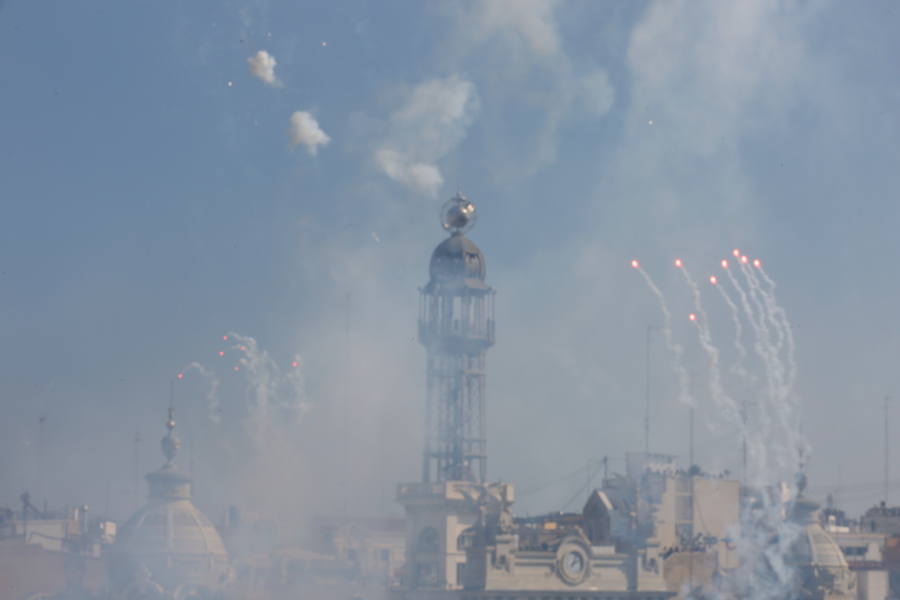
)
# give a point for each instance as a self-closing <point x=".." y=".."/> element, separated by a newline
<point x="763" y="305"/>
<point x="701" y="321"/>
<point x="779" y="433"/>
<point x="674" y="348"/>
<point x="738" y="367"/>
<point x="758" y="346"/>
<point x="765" y="316"/>
<point x="766" y="299"/>
<point x="778" y="318"/>
<point x="273" y="395"/>
<point x="780" y="313"/>
<point x="788" y="406"/>
<point x="772" y="438"/>
<point x="759" y="305"/>
<point x="268" y="449"/>
<point x="781" y="403"/>
<point x="213" y="406"/>
<point x="764" y="538"/>
<point x="774" y="369"/>
<point x="773" y="441"/>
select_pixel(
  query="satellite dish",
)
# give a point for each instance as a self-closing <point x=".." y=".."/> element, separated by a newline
<point x="458" y="214"/>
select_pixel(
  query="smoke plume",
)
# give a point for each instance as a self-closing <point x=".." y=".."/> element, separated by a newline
<point x="430" y="124"/>
<point x="262" y="66"/>
<point x="304" y="130"/>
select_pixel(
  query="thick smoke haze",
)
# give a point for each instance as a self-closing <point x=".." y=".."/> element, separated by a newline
<point x="587" y="134"/>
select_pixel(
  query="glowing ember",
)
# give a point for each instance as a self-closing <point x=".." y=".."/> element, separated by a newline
<point x="180" y="376"/>
<point x="692" y="317"/>
<point x="221" y="353"/>
<point x="237" y="368"/>
<point x="736" y="253"/>
<point x="713" y="279"/>
<point x="635" y="264"/>
<point x="224" y="338"/>
<point x="757" y="263"/>
<point x="295" y="364"/>
<point x="678" y="263"/>
<point x="724" y="264"/>
<point x="744" y="259"/>
<point x="243" y="348"/>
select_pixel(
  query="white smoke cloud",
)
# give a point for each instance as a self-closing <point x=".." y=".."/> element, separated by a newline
<point x="421" y="177"/>
<point x="514" y="50"/>
<point x="262" y="66"/>
<point x="530" y="21"/>
<point x="433" y="120"/>
<point x="305" y="130"/>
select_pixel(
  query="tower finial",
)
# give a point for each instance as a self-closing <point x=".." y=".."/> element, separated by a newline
<point x="458" y="214"/>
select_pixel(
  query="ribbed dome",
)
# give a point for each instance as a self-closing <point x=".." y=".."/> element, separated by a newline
<point x="816" y="548"/>
<point x="821" y="571"/>
<point x="171" y="527"/>
<point x="813" y="547"/>
<point x="457" y="259"/>
<point x="168" y="543"/>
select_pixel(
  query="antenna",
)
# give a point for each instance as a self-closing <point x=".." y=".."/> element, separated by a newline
<point x="647" y="395"/>
<point x="345" y="392"/>
<point x="886" y="448"/>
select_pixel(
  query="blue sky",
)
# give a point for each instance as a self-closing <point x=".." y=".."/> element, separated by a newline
<point x="150" y="208"/>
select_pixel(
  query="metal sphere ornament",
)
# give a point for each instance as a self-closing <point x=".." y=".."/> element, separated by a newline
<point x="458" y="214"/>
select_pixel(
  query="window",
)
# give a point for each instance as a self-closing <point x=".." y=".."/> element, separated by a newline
<point x="464" y="541"/>
<point x="685" y="533"/>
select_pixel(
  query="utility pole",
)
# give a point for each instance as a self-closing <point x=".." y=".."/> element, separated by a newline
<point x="744" y="442"/>
<point x="886" y="455"/>
<point x="40" y="487"/>
<point x="137" y="468"/>
<point x="650" y="329"/>
<point x="691" y="492"/>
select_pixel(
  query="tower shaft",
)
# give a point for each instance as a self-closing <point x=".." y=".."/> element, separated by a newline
<point x="456" y="326"/>
<point x="456" y="444"/>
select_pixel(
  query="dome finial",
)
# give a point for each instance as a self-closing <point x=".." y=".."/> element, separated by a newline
<point x="170" y="442"/>
<point x="458" y="214"/>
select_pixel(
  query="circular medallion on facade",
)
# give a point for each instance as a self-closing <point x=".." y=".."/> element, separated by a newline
<point x="572" y="563"/>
